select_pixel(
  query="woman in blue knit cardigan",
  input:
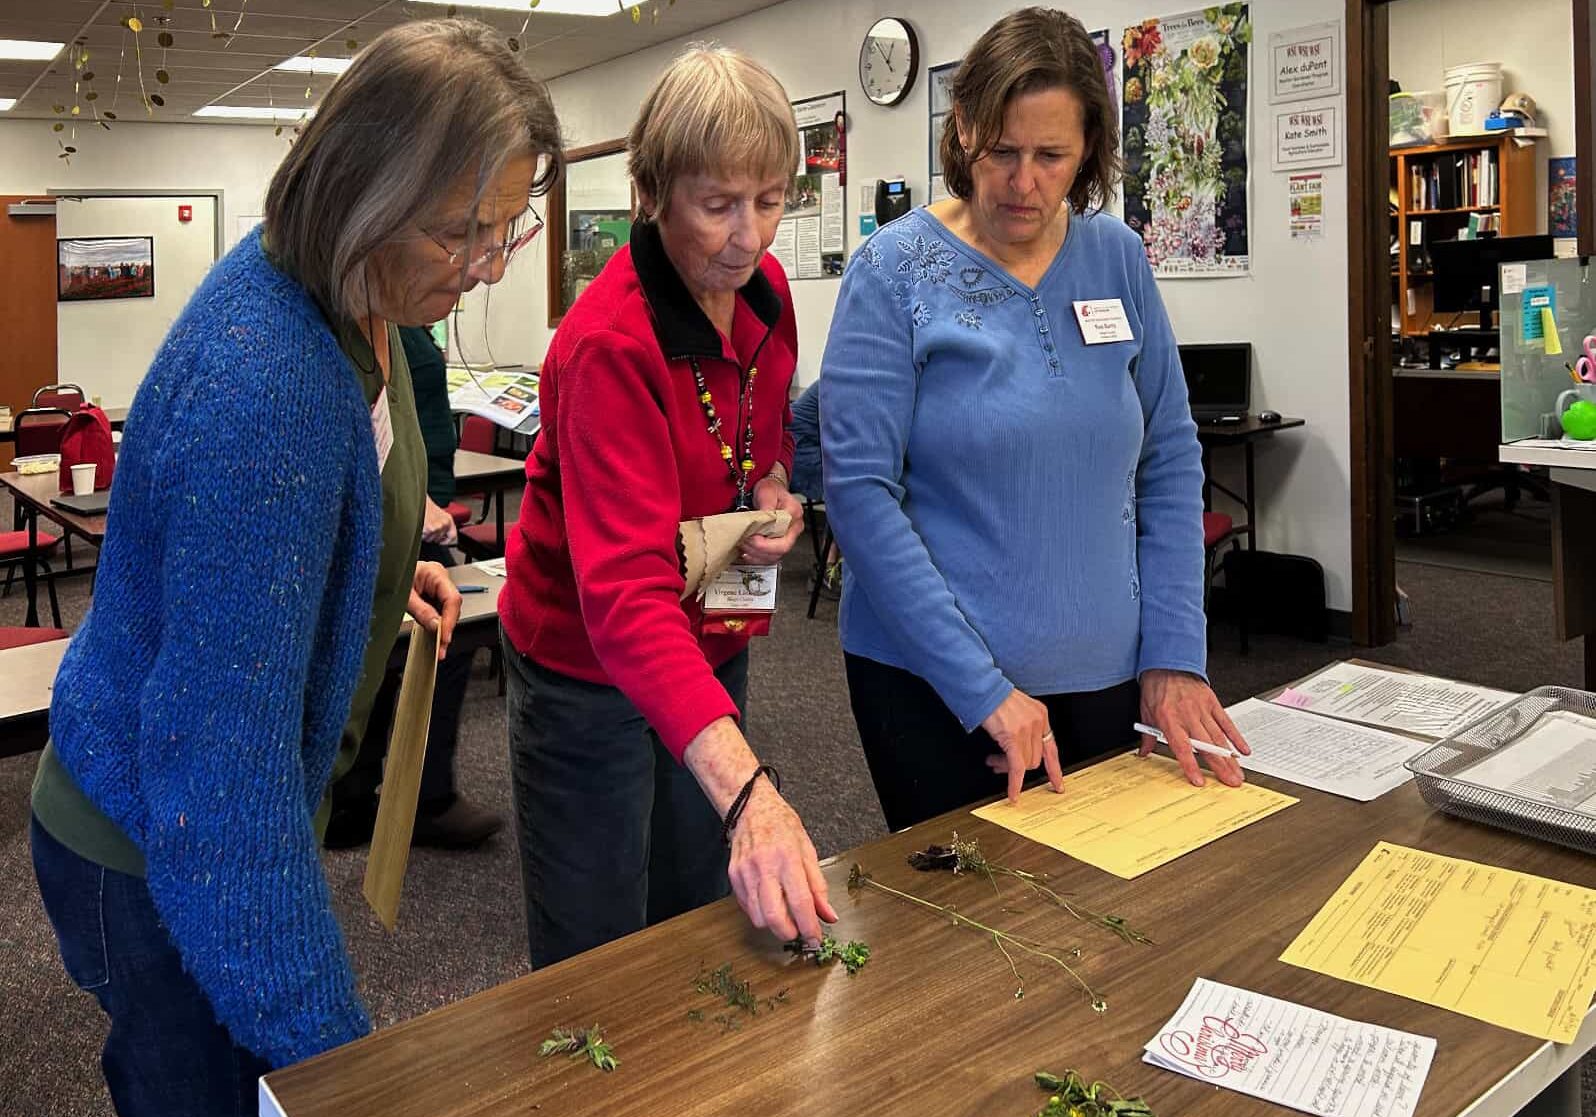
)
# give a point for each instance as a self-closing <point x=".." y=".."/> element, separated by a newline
<point x="260" y="552"/>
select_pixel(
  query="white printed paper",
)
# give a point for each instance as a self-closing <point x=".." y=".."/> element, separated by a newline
<point x="1292" y="1055"/>
<point x="1553" y="763"/>
<point x="1421" y="704"/>
<point x="743" y="589"/>
<point x="1322" y="753"/>
<point x="1305" y="62"/>
<point x="494" y="567"/>
<point x="1308" y="135"/>
<point x="1514" y="278"/>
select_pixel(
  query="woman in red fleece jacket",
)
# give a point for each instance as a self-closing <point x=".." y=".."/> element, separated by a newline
<point x="625" y="748"/>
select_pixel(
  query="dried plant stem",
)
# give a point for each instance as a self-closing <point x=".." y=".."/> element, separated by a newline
<point x="1002" y="938"/>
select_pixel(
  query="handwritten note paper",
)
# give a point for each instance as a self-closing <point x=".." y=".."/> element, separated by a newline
<point x="1129" y="814"/>
<point x="1292" y="1055"/>
<point x="1420" y="704"/>
<point x="1511" y="949"/>
<point x="1323" y="753"/>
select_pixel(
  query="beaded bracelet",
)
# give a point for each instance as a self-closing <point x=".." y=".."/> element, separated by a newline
<point x="735" y="811"/>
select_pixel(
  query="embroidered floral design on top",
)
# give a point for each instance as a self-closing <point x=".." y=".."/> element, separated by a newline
<point x="969" y="319"/>
<point x="872" y="255"/>
<point x="921" y="315"/>
<point x="925" y="259"/>
<point x="971" y="276"/>
<point x="986" y="296"/>
<point x="901" y="292"/>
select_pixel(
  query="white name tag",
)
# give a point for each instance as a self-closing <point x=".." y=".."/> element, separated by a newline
<point x="382" y="428"/>
<point x="743" y="589"/>
<point x="1102" y="321"/>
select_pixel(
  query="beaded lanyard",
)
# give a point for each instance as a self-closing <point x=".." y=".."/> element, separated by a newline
<point x="740" y="477"/>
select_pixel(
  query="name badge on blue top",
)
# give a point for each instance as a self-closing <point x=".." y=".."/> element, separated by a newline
<point x="1102" y="321"/>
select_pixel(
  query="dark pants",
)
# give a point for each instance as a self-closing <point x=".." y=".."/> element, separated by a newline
<point x="443" y="729"/>
<point x="166" y="1054"/>
<point x="615" y="835"/>
<point x="925" y="764"/>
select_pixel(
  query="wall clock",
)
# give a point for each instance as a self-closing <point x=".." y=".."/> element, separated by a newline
<point x="889" y="58"/>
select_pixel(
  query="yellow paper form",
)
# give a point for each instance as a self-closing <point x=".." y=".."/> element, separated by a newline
<point x="1128" y="815"/>
<point x="1508" y="948"/>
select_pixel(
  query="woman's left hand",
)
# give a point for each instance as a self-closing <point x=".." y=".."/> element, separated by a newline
<point x="1184" y="706"/>
<point x="434" y="602"/>
<point x="772" y="494"/>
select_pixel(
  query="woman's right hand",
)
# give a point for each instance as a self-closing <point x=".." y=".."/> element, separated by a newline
<point x="775" y="873"/>
<point x="1020" y="727"/>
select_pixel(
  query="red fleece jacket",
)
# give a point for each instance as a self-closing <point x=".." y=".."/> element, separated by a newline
<point x="623" y="456"/>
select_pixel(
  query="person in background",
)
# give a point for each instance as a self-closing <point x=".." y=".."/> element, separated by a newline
<point x="443" y="818"/>
<point x="663" y="397"/>
<point x="261" y="551"/>
<point x="808" y="477"/>
<point x="1018" y="488"/>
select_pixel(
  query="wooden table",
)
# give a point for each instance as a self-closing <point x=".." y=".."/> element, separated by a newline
<point x="27" y="675"/>
<point x="33" y="493"/>
<point x="1246" y="435"/>
<point x="931" y="1028"/>
<point x="492" y="476"/>
<point x="117" y="415"/>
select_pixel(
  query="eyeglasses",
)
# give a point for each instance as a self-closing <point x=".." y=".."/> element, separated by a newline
<point x="511" y="245"/>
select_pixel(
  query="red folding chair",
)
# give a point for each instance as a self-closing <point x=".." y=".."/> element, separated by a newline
<point x="38" y="430"/>
<point x="69" y="396"/>
<point x="1219" y="529"/>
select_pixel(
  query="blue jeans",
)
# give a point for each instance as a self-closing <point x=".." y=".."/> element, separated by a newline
<point x="614" y="834"/>
<point x="166" y="1054"/>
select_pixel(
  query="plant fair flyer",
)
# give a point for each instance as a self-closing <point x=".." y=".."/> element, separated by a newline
<point x="1307" y="206"/>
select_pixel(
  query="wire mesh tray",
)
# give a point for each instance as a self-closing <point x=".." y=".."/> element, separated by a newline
<point x="1442" y="773"/>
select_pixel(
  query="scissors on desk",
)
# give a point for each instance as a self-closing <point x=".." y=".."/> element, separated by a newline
<point x="1585" y="367"/>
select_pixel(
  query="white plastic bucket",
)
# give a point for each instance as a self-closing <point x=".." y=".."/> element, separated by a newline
<point x="1473" y="92"/>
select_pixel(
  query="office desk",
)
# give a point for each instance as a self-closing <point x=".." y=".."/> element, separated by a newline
<point x="117" y="415"/>
<point x="1246" y="435"/>
<point x="27" y="675"/>
<point x="33" y="494"/>
<point x="931" y="1027"/>
<point x="490" y="475"/>
<point x="1573" y="475"/>
<point x="1446" y="413"/>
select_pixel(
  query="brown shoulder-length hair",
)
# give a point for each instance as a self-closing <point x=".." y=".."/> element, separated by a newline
<point x="423" y="103"/>
<point x="1024" y="52"/>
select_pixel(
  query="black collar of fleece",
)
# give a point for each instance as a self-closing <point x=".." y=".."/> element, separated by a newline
<point x="680" y="324"/>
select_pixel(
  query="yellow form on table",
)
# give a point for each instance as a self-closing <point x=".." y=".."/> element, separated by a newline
<point x="1131" y="814"/>
<point x="1511" y="949"/>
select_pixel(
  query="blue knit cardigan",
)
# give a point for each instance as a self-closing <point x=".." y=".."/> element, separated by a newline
<point x="200" y="704"/>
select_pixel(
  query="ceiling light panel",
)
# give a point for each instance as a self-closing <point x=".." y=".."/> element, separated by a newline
<point x="27" y="50"/>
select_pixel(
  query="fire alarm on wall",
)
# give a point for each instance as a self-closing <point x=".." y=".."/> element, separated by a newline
<point x="185" y="213"/>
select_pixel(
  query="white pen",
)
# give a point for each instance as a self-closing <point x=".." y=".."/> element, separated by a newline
<point x="1201" y="746"/>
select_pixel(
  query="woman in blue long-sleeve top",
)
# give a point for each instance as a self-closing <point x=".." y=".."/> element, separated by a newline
<point x="1011" y="465"/>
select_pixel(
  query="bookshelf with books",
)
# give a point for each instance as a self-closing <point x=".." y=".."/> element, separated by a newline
<point x="1462" y="187"/>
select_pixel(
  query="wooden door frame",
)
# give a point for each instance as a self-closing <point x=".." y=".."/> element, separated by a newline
<point x="1368" y="282"/>
<point x="555" y="230"/>
<point x="1373" y="493"/>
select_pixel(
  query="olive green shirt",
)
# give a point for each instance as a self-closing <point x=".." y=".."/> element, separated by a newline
<point x="74" y="821"/>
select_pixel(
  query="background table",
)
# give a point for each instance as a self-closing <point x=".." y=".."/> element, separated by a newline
<point x="930" y="1027"/>
<point x="1246" y="435"/>
<point x="33" y="494"/>
<point x="491" y="476"/>
<point x="27" y="675"/>
<point x="117" y="415"/>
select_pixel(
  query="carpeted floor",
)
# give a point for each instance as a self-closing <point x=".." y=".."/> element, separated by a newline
<point x="461" y="923"/>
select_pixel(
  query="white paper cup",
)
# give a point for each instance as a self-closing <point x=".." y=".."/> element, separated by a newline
<point x="83" y="479"/>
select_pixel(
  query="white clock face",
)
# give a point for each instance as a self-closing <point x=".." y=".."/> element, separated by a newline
<point x="886" y="61"/>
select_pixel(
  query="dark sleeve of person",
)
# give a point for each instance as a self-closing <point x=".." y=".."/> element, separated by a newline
<point x="431" y="385"/>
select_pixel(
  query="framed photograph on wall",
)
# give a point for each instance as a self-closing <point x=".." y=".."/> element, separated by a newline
<point x="92" y="268"/>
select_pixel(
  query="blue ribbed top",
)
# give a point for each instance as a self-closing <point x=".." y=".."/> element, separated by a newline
<point x="1014" y="507"/>
<point x="200" y="703"/>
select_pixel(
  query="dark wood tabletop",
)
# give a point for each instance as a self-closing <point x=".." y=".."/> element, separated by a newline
<point x="1249" y="428"/>
<point x="931" y="1027"/>
<point x="35" y="490"/>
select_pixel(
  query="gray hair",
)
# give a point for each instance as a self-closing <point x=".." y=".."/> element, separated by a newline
<point x="424" y="103"/>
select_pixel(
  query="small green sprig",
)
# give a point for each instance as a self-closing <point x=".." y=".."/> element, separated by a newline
<point x="859" y="878"/>
<point x="578" y="1043"/>
<point x="1072" y="1097"/>
<point x="853" y="956"/>
<point x="737" y="993"/>
<point x="965" y="856"/>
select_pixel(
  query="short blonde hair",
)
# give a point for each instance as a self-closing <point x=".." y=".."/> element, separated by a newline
<point x="713" y="111"/>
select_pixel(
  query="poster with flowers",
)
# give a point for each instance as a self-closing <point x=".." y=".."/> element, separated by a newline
<point x="1185" y="119"/>
<point x="1104" y="41"/>
<point x="1562" y="220"/>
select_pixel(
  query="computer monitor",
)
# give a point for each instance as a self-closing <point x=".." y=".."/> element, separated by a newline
<point x="1466" y="275"/>
<point x="1218" y="380"/>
